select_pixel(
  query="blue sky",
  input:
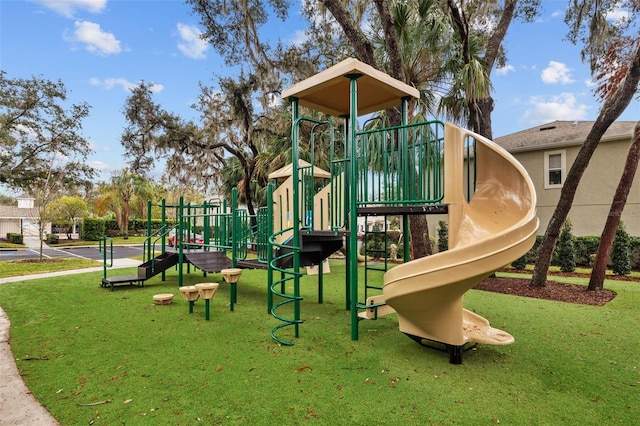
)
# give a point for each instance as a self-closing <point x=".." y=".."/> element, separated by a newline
<point x="100" y="48"/>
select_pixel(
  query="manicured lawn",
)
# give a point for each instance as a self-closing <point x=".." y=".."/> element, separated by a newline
<point x="77" y="343"/>
<point x="16" y="268"/>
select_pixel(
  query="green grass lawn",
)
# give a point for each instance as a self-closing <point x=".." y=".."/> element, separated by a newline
<point x="77" y="343"/>
<point x="16" y="268"/>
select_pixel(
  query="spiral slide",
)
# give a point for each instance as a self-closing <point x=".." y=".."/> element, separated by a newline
<point x="495" y="228"/>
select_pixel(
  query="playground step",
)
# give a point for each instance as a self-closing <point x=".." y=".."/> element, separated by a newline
<point x="157" y="265"/>
<point x="316" y="246"/>
<point x="375" y="307"/>
<point x="123" y="279"/>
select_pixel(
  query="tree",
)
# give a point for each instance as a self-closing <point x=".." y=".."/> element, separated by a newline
<point x="566" y="248"/>
<point x="480" y="28"/>
<point x="620" y="256"/>
<point x="617" y="85"/>
<point x="6" y="200"/>
<point x="596" y="282"/>
<point x="68" y="211"/>
<point x="119" y="195"/>
<point x="36" y="129"/>
<point x="231" y="129"/>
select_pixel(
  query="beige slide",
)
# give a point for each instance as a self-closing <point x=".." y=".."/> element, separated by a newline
<point x="495" y="228"/>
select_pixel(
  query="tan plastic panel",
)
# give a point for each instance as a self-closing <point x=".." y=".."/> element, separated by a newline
<point x="497" y="227"/>
<point x="328" y="91"/>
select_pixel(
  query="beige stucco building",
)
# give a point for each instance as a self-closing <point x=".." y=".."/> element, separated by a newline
<point x="549" y="150"/>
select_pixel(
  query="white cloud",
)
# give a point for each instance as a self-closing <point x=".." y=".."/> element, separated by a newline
<point x="298" y="38"/>
<point x="190" y="44"/>
<point x="68" y="8"/>
<point x="95" y="40"/>
<point x="564" y="106"/>
<point x="110" y="83"/>
<point x="618" y="15"/>
<point x="557" y="72"/>
<point x="99" y="165"/>
<point x="505" y="70"/>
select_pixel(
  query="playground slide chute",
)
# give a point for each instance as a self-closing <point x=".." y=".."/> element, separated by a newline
<point x="492" y="230"/>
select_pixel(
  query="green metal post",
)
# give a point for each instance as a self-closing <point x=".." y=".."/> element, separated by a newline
<point x="405" y="191"/>
<point x="149" y="231"/>
<point x="353" y="206"/>
<point x="269" y="219"/>
<point x="296" y="215"/>
<point x="179" y="233"/>
<point x="345" y="203"/>
<point x="163" y="240"/>
<point x="206" y="215"/>
<point x="321" y="282"/>
<point x="235" y="226"/>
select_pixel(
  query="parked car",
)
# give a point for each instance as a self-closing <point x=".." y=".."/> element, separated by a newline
<point x="193" y="238"/>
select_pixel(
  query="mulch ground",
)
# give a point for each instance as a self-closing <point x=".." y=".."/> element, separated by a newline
<point x="554" y="290"/>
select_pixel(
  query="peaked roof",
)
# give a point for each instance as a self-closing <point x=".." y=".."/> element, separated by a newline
<point x="13" y="212"/>
<point x="328" y="91"/>
<point x="561" y="133"/>
<point x="287" y="171"/>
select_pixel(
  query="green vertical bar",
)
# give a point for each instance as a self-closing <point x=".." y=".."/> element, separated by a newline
<point x="353" y="205"/>
<point x="149" y="227"/>
<point x="235" y="228"/>
<point x="295" y="155"/>
<point x="405" y="217"/>
<point x="207" y="212"/>
<point x="344" y="202"/>
<point x="163" y="238"/>
<point x="179" y="232"/>
<point x="269" y="248"/>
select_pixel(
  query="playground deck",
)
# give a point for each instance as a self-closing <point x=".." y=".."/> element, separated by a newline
<point x="208" y="261"/>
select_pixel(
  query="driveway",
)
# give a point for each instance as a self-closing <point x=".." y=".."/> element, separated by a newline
<point x="84" y="252"/>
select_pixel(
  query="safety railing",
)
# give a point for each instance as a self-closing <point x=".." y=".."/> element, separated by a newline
<point x="401" y="165"/>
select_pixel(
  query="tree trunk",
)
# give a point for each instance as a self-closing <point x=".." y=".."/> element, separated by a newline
<point x="596" y="282"/>
<point x="610" y="111"/>
<point x="419" y="234"/>
<point x="485" y="106"/>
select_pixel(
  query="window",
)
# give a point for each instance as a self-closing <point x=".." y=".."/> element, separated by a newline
<point x="555" y="166"/>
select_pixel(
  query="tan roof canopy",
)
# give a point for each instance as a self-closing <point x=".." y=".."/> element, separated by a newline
<point x="287" y="171"/>
<point x="329" y="92"/>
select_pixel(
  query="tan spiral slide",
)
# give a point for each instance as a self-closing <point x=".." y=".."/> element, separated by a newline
<point x="497" y="226"/>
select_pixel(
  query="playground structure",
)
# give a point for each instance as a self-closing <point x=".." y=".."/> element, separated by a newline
<point x="404" y="170"/>
<point x="414" y="168"/>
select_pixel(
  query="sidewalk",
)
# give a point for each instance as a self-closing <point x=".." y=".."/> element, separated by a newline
<point x="17" y="405"/>
<point x="117" y="263"/>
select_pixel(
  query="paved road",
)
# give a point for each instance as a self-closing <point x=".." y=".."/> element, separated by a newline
<point x="119" y="252"/>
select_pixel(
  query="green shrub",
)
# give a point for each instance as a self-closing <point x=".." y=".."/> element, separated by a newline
<point x="634" y="252"/>
<point x="520" y="263"/>
<point x="15" y="238"/>
<point x="585" y="247"/>
<point x="443" y="236"/>
<point x="620" y="259"/>
<point x="565" y="249"/>
<point x="93" y="229"/>
<point x="53" y="239"/>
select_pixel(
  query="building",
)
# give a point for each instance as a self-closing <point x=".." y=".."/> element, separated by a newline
<point x="20" y="219"/>
<point x="548" y="151"/>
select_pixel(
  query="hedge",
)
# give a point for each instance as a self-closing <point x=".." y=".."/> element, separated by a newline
<point x="15" y="238"/>
<point x="93" y="229"/>
<point x="585" y="249"/>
